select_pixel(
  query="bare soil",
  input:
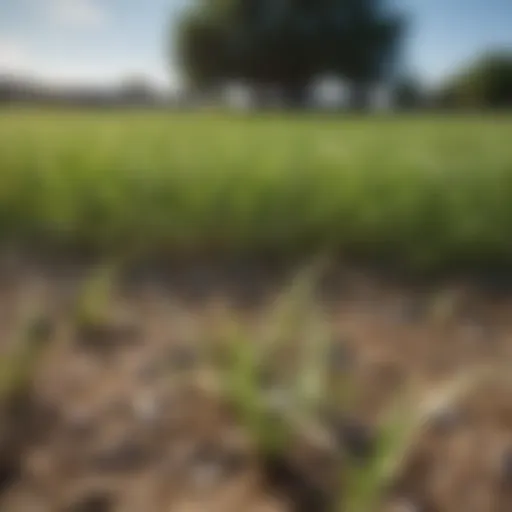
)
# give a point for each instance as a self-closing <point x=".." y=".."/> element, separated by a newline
<point x="109" y="427"/>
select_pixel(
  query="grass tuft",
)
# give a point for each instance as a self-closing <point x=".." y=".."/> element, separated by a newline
<point x="94" y="299"/>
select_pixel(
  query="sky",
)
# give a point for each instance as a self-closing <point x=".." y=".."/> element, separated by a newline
<point x="104" y="41"/>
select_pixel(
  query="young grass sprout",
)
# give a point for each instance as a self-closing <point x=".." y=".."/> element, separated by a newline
<point x="94" y="300"/>
<point x="23" y="356"/>
<point x="302" y="338"/>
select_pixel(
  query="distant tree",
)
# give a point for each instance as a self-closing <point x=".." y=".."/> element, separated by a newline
<point x="202" y="49"/>
<point x="487" y="83"/>
<point x="7" y="89"/>
<point x="286" y="44"/>
<point x="136" y="89"/>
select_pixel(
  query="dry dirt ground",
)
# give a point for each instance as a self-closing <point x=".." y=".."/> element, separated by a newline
<point x="106" y="428"/>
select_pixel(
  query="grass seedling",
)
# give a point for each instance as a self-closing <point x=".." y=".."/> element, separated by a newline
<point x="272" y="411"/>
<point x="94" y="300"/>
<point x="18" y="365"/>
<point x="365" y="483"/>
<point x="241" y="362"/>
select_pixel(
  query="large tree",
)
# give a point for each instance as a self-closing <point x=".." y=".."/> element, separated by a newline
<point x="361" y="44"/>
<point x="286" y="43"/>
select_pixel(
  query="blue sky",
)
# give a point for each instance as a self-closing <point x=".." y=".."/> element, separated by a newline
<point x="102" y="41"/>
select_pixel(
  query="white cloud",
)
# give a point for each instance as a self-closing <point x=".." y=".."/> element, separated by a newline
<point x="14" y="57"/>
<point x="16" y="61"/>
<point x="83" y="13"/>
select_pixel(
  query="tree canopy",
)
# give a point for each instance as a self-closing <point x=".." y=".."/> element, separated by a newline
<point x="287" y="43"/>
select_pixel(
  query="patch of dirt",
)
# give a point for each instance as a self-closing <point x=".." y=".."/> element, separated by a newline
<point x="111" y="425"/>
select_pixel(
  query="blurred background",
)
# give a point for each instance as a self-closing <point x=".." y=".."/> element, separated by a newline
<point x="328" y="54"/>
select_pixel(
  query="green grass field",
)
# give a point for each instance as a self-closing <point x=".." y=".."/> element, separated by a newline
<point x="417" y="190"/>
